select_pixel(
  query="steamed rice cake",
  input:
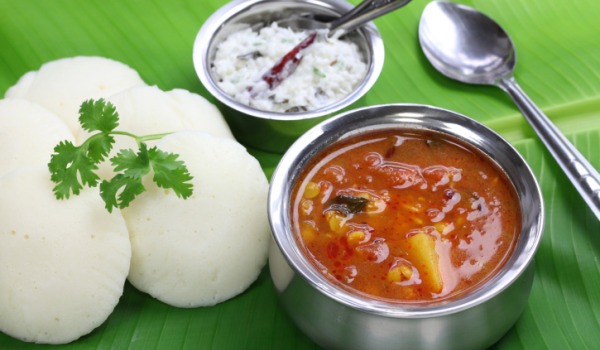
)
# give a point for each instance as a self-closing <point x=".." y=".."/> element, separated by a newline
<point x="62" y="85"/>
<point x="63" y="264"/>
<point x="28" y="134"/>
<point x="145" y="110"/>
<point x="211" y="246"/>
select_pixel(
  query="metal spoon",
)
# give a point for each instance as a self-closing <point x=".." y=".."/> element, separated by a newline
<point x="364" y="12"/>
<point x="359" y="15"/>
<point x="468" y="46"/>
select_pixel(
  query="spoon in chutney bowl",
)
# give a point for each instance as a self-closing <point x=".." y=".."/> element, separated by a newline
<point x="359" y="15"/>
<point x="466" y="45"/>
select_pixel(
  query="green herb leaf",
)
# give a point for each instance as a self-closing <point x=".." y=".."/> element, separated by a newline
<point x="347" y="205"/>
<point x="133" y="167"/>
<point x="318" y="72"/>
<point x="73" y="167"/>
<point x="109" y="191"/>
<point x="132" y="164"/>
<point x="98" y="116"/>
<point x="99" y="146"/>
<point x="170" y="172"/>
<point x="67" y="166"/>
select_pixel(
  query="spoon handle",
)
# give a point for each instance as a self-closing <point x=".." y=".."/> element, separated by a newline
<point x="582" y="174"/>
<point x="364" y="12"/>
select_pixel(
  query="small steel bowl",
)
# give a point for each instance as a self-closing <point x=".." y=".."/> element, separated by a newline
<point x="272" y="131"/>
<point x="336" y="318"/>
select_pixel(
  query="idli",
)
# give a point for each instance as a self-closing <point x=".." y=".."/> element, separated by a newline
<point x="63" y="264"/>
<point x="62" y="85"/>
<point x="28" y="134"/>
<point x="147" y="110"/>
<point x="211" y="246"/>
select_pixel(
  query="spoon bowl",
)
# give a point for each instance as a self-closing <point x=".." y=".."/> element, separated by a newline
<point x="471" y="56"/>
<point x="466" y="45"/>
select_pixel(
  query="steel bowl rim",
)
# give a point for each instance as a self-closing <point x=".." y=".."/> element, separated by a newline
<point x="315" y="139"/>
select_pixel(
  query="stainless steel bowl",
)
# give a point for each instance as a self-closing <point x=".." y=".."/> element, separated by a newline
<point x="268" y="130"/>
<point x="336" y="318"/>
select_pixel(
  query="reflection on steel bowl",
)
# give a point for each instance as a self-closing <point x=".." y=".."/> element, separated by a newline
<point x="276" y="130"/>
<point x="363" y="287"/>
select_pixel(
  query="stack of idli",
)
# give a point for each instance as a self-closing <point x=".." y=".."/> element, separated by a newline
<point x="63" y="269"/>
<point x="62" y="85"/>
<point x="63" y="264"/>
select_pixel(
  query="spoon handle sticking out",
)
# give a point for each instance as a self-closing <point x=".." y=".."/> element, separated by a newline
<point x="582" y="174"/>
<point x="364" y="12"/>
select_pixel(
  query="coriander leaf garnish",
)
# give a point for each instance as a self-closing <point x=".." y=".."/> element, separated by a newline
<point x="134" y="165"/>
<point x="98" y="116"/>
<point x="73" y="167"/>
<point x="130" y="188"/>
<point x="170" y="172"/>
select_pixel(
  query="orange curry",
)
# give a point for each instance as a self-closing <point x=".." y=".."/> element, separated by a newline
<point x="405" y="216"/>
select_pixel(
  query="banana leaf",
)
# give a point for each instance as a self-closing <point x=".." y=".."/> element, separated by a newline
<point x="558" y="60"/>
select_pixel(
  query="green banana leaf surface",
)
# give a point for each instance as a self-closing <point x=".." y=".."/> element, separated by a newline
<point x="558" y="65"/>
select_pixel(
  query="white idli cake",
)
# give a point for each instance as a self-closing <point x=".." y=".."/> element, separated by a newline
<point x="62" y="85"/>
<point x="147" y="110"/>
<point x="211" y="246"/>
<point x="63" y="264"/>
<point x="28" y="134"/>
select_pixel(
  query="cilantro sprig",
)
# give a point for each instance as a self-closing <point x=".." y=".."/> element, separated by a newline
<point x="73" y="167"/>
